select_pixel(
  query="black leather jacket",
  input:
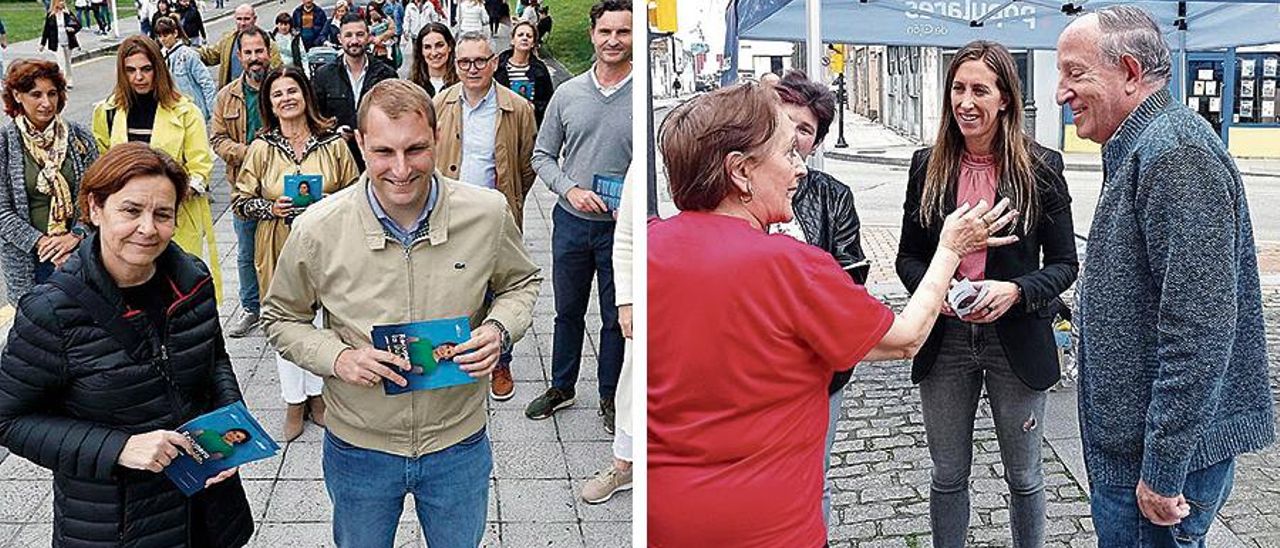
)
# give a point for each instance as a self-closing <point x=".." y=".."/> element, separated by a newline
<point x="825" y="210"/>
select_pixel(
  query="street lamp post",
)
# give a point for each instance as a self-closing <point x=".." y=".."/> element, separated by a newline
<point x="842" y="96"/>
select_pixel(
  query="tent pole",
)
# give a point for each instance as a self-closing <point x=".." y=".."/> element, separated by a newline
<point x="813" y="58"/>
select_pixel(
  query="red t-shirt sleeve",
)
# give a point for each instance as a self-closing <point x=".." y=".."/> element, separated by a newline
<point x="839" y="320"/>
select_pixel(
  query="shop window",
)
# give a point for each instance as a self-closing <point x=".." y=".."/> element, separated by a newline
<point x="1257" y="100"/>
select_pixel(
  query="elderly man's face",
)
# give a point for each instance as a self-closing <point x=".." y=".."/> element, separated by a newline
<point x="245" y="18"/>
<point x="476" y="65"/>
<point x="1096" y="90"/>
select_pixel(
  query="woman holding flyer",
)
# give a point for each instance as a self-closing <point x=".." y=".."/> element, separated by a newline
<point x="1002" y="338"/>
<point x="109" y="357"/>
<point x="295" y="147"/>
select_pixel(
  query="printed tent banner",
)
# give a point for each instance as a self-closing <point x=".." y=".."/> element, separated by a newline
<point x="1023" y="24"/>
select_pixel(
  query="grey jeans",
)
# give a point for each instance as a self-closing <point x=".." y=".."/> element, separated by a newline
<point x="971" y="357"/>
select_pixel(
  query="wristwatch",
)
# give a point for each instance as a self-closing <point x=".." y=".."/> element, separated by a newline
<point x="505" y="335"/>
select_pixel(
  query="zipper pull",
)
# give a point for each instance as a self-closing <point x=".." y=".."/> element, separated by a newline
<point x="164" y="353"/>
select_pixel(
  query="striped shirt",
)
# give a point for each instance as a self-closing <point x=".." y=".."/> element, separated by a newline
<point x="520" y="81"/>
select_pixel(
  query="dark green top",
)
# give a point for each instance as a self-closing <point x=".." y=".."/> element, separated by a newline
<point x="252" y="118"/>
<point x="38" y="202"/>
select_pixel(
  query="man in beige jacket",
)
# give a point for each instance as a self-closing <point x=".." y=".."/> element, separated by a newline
<point x="235" y="120"/>
<point x="486" y="135"/>
<point x="404" y="244"/>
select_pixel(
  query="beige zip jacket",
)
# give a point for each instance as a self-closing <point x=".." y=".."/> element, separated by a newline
<point x="338" y="258"/>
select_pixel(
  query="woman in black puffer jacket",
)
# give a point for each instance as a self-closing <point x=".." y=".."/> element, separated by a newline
<point x="119" y="348"/>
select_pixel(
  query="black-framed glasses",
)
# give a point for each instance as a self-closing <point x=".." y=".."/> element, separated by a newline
<point x="470" y="64"/>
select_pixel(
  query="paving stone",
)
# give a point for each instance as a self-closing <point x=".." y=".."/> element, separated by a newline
<point x="17" y="468"/>
<point x="528" y="460"/>
<point x="542" y="501"/>
<point x="20" y="499"/>
<point x="606" y="534"/>
<point x="293" y="535"/>
<point x="548" y="535"/>
<point x="511" y="425"/>
<point x="299" y="501"/>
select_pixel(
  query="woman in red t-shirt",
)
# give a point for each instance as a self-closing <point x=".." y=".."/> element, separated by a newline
<point x="750" y="328"/>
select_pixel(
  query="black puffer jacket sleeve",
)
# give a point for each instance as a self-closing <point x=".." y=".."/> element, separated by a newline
<point x="33" y="372"/>
<point x="226" y="389"/>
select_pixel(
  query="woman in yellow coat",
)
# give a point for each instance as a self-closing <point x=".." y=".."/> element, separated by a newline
<point x="294" y="142"/>
<point x="147" y="107"/>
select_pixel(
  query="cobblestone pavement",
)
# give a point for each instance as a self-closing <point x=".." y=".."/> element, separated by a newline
<point x="880" y="462"/>
<point x="539" y="466"/>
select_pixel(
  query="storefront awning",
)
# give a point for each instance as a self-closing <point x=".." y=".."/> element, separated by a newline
<point x="1022" y="24"/>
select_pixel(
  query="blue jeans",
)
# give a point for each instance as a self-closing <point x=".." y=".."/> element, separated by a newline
<point x="450" y="492"/>
<point x="580" y="250"/>
<point x="245" y="230"/>
<point x="1119" y="522"/>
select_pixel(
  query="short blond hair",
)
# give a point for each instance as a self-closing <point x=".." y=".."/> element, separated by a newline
<point x="395" y="97"/>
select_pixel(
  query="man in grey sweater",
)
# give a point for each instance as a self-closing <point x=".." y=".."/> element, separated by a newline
<point x="583" y="151"/>
<point x="1173" y="364"/>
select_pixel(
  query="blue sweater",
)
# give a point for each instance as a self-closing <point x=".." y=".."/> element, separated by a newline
<point x="1173" y="360"/>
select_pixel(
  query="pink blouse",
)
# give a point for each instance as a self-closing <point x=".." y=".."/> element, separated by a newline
<point x="977" y="181"/>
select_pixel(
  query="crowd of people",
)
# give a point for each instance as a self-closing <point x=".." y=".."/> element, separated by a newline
<point x="109" y="256"/>
<point x="758" y="332"/>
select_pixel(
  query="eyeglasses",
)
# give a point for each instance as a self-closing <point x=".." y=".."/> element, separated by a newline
<point x="471" y="64"/>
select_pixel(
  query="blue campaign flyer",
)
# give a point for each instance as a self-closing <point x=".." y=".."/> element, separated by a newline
<point x="304" y="190"/>
<point x="609" y="188"/>
<point x="524" y="88"/>
<point x="223" y="439"/>
<point x="429" y="347"/>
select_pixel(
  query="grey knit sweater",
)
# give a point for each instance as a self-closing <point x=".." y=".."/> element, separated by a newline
<point x="591" y="132"/>
<point x="1173" y="361"/>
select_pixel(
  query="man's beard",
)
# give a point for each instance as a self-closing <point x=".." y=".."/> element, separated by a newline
<point x="256" y="72"/>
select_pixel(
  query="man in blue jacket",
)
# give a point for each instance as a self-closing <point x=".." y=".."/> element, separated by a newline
<point x="1173" y="360"/>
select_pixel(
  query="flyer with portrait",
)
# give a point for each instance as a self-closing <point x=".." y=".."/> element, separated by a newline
<point x="304" y="190"/>
<point x="223" y="439"/>
<point x="1269" y="66"/>
<point x="1268" y="88"/>
<point x="429" y="347"/>
<point x="1246" y="68"/>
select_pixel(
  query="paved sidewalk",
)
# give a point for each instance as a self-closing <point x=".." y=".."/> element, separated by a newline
<point x="871" y="142"/>
<point x="94" y="45"/>
<point x="881" y="464"/>
<point x="539" y="466"/>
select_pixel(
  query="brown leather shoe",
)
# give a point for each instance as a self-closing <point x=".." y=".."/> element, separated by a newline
<point x="315" y="410"/>
<point x="293" y="417"/>
<point x="501" y="387"/>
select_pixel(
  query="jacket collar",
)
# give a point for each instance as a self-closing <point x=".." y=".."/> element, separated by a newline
<point x="86" y="263"/>
<point x="1126" y="137"/>
<point x="374" y="235"/>
<point x="506" y="98"/>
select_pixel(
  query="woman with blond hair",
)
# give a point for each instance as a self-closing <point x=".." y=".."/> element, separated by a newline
<point x="147" y="107"/>
<point x="1005" y="343"/>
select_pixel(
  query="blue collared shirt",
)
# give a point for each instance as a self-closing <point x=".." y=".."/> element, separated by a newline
<point x="405" y="235"/>
<point x="479" y="133"/>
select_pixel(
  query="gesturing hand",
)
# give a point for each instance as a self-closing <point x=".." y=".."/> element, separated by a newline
<point x="223" y="476"/>
<point x="153" y="451"/>
<point x="969" y="229"/>
<point x="368" y="366"/>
